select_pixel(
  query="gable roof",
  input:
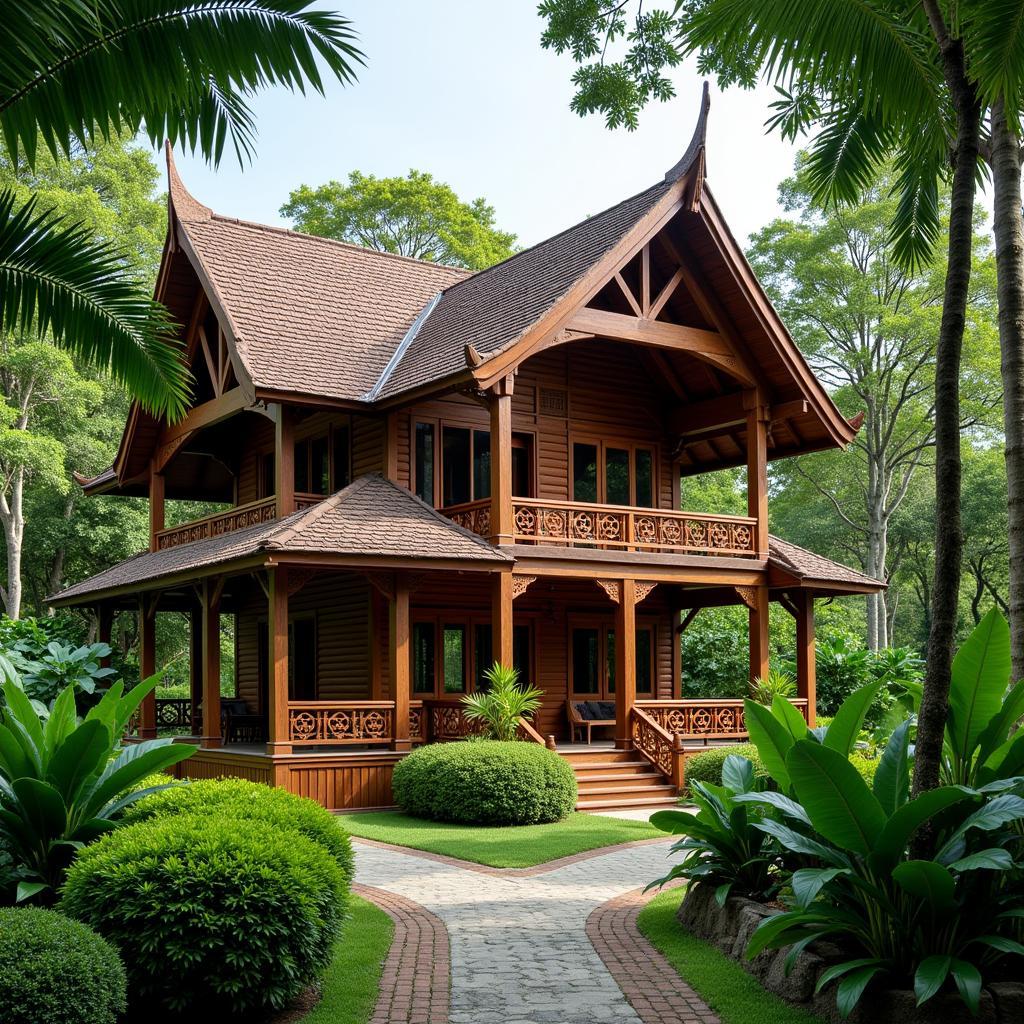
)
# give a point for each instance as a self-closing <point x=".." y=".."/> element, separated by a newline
<point x="371" y="518"/>
<point x="810" y="568"/>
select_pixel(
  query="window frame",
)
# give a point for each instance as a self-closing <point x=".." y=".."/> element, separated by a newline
<point x="603" y="444"/>
<point x="604" y="625"/>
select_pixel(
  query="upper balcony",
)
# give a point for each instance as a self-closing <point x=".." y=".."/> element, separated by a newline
<point x="615" y="527"/>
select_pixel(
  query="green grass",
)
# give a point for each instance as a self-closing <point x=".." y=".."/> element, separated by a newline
<point x="734" y="995"/>
<point x="352" y="980"/>
<point x="513" y="846"/>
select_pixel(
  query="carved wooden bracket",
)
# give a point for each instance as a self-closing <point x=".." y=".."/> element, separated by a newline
<point x="298" y="578"/>
<point x="611" y="588"/>
<point x="166" y="452"/>
<point x="748" y="595"/>
<point x="520" y="584"/>
<point x="383" y="583"/>
<point x="642" y="589"/>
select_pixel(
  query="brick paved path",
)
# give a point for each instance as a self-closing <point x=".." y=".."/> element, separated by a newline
<point x="520" y="951"/>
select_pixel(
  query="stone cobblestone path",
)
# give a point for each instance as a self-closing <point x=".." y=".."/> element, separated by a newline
<point x="520" y="951"/>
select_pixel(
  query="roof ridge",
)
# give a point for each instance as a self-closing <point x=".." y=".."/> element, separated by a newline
<point x="223" y="218"/>
<point x="290" y="526"/>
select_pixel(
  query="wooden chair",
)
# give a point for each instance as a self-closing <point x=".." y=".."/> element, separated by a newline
<point x="585" y="714"/>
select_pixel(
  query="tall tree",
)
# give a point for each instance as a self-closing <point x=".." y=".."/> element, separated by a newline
<point x="412" y="216"/>
<point x="72" y="72"/>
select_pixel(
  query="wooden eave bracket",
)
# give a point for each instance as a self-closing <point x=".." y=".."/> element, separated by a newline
<point x="748" y="595"/>
<point x="520" y="584"/>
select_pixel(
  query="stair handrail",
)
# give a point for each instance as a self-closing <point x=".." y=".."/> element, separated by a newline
<point x="664" y="750"/>
<point x="532" y="734"/>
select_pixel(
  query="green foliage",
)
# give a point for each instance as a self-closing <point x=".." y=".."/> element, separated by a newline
<point x="211" y="915"/>
<point x="776" y="683"/>
<point x="715" y="654"/>
<point x="57" y="971"/>
<point x="63" y="784"/>
<point x="706" y="767"/>
<point x="485" y="783"/>
<point x="722" y="844"/>
<point x="411" y="216"/>
<point x="61" y="665"/>
<point x="250" y="801"/>
<point x="501" y="706"/>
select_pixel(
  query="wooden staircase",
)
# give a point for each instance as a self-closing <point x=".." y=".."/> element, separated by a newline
<point x="618" y="780"/>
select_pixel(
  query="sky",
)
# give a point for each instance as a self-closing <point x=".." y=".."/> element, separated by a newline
<point x="462" y="89"/>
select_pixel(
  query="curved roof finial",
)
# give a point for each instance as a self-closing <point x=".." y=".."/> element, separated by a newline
<point x="695" y="151"/>
<point x="185" y="206"/>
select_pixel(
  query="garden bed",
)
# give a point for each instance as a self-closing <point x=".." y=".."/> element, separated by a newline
<point x="730" y="927"/>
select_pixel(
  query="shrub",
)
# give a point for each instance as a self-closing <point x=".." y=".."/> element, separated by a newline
<point x="706" y="766"/>
<point x="236" y="798"/>
<point x="485" y="783"/>
<point x="56" y="971"/>
<point x="864" y="764"/>
<point x="211" y="915"/>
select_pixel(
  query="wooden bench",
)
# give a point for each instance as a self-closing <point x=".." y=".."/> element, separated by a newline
<point x="585" y="714"/>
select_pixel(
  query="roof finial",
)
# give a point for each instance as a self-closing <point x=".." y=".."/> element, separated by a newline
<point x="185" y="206"/>
<point x="695" y="151"/>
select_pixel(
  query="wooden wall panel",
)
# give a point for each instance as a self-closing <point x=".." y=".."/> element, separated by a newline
<point x="344" y="783"/>
<point x="369" y="438"/>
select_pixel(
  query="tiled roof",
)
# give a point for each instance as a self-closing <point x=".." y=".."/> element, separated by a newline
<point x="370" y="517"/>
<point x="813" y="567"/>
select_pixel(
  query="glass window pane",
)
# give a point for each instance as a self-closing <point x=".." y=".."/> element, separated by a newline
<point x="319" y="476"/>
<point x="423" y="657"/>
<point x="644" y="672"/>
<point x="482" y="658"/>
<point x="454" y="465"/>
<point x="644" y="478"/>
<point x="521" y="472"/>
<point x="342" y="459"/>
<point x="481" y="464"/>
<point x="425" y="462"/>
<point x="610" y="659"/>
<point x="302" y="467"/>
<point x="584" y="472"/>
<point x="268" y="485"/>
<point x="585" y="661"/>
<point x="521" y="654"/>
<point x="454" y="654"/>
<point x="616" y="476"/>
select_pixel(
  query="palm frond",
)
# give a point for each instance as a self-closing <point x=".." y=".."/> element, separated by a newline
<point x="994" y="31"/>
<point x="57" y="279"/>
<point x="916" y="225"/>
<point x="845" y="156"/>
<point x="180" y="68"/>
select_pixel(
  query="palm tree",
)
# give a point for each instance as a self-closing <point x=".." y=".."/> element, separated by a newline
<point x="177" y="69"/>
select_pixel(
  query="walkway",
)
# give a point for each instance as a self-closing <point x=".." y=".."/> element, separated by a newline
<point x="522" y="948"/>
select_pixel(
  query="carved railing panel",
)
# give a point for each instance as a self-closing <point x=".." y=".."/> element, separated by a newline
<point x="334" y="721"/>
<point x="473" y="515"/>
<point x="654" y="742"/>
<point x="447" y="722"/>
<point x="173" y="713"/>
<point x="718" y="718"/>
<point x="416" y="721"/>
<point x="253" y="514"/>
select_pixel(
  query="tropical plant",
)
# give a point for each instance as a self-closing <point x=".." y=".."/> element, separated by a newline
<point x="60" y="666"/>
<point x="722" y="845"/>
<point x="63" y="784"/>
<point x="707" y="766"/>
<point x="503" y="704"/>
<point x="764" y="688"/>
<point x="182" y="71"/>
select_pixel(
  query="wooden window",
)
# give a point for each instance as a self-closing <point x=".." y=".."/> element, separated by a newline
<point x="323" y="463"/>
<point x="465" y="464"/>
<point x="592" y="659"/>
<point x="302" y="681"/>
<point x="454" y="652"/>
<point x="267" y="484"/>
<point x="423" y="657"/>
<point x="424" y="476"/>
<point x="522" y="465"/>
<point x="341" y="455"/>
<point x="612" y="473"/>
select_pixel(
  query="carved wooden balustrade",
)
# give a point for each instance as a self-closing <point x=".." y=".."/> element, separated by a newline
<point x="447" y="722"/>
<point x="656" y="744"/>
<point x="364" y="722"/>
<point x="704" y="719"/>
<point x="569" y="523"/>
<point x="174" y="713"/>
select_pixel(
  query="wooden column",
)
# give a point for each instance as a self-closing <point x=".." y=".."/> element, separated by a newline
<point x="284" y="460"/>
<point x="105" y="625"/>
<point x="758" y="618"/>
<point x="147" y="665"/>
<point x="806" y="671"/>
<point x="278" y="740"/>
<point x="195" y="668"/>
<point x="677" y="655"/>
<point x="625" y="662"/>
<point x="211" y="735"/>
<point x="156" y="505"/>
<point x="757" y="468"/>
<point x="375" y="621"/>
<point x="501" y="618"/>
<point x="401" y="661"/>
<point x="501" y="462"/>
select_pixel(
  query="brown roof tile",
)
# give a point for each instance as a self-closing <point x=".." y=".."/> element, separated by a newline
<point x="814" y="567"/>
<point x="372" y="516"/>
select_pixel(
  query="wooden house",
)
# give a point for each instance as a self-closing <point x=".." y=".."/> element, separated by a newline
<point x="425" y="470"/>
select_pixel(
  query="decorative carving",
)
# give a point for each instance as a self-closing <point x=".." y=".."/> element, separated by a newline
<point x="553" y="402"/>
<point x="340" y="722"/>
<point x="253" y="514"/>
<point x="652" y="741"/>
<point x="173" y="713"/>
<point x="643" y="589"/>
<point x="520" y="584"/>
<point x="298" y="578"/>
<point x="611" y="588"/>
<point x="748" y="595"/>
<point x="166" y="452"/>
<point x="447" y="722"/>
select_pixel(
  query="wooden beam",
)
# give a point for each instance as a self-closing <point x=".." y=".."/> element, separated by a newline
<point x="628" y="293"/>
<point x="757" y="473"/>
<point x="156" y="505"/>
<point x="284" y="461"/>
<point x="706" y="345"/>
<point x="625" y="663"/>
<point x="645" y="282"/>
<point x="758" y="620"/>
<point x="665" y="294"/>
<point x="715" y="416"/>
<point x="147" y="668"/>
<point x="205" y="415"/>
<point x="501" y="618"/>
<point x="400" y="650"/>
<point x="278" y="739"/>
<point x="212" y="365"/>
<point x="806" y="669"/>
<point x="211" y="736"/>
<point x="501" y="463"/>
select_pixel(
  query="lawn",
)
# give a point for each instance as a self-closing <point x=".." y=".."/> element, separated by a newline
<point x="733" y="994"/>
<point x="352" y="980"/>
<point x="513" y="846"/>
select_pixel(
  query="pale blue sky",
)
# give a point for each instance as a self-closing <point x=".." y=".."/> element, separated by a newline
<point x="463" y="89"/>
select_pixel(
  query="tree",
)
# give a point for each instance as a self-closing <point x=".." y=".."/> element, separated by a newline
<point x="868" y="325"/>
<point x="411" y="216"/>
<point x="74" y="72"/>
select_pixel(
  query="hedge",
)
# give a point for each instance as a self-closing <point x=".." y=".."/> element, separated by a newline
<point x="211" y="915"/>
<point x="56" y="971"/>
<point x="485" y="782"/>
<point x="707" y="765"/>
<point x="237" y="798"/>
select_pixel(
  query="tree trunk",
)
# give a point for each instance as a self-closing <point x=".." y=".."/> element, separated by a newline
<point x="1008" y="225"/>
<point x="13" y="519"/>
<point x="931" y="722"/>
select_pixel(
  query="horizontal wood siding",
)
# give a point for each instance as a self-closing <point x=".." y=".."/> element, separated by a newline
<point x="369" y="439"/>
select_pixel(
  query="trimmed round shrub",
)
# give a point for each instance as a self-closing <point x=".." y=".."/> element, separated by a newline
<point x="488" y="782"/>
<point x="211" y="915"/>
<point x="56" y="971"/>
<point x="252" y="801"/>
<point x="707" y="765"/>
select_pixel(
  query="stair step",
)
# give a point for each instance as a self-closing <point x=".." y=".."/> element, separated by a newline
<point x="579" y="757"/>
<point x="624" y="803"/>
<point x="606" y="776"/>
<point x="650" y="790"/>
<point x="620" y="767"/>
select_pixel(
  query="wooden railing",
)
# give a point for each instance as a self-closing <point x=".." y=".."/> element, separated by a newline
<point x="366" y="722"/>
<point x="174" y="713"/>
<point x="568" y="523"/>
<point x="659" y="746"/>
<point x="704" y="719"/>
<point x="253" y="513"/>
